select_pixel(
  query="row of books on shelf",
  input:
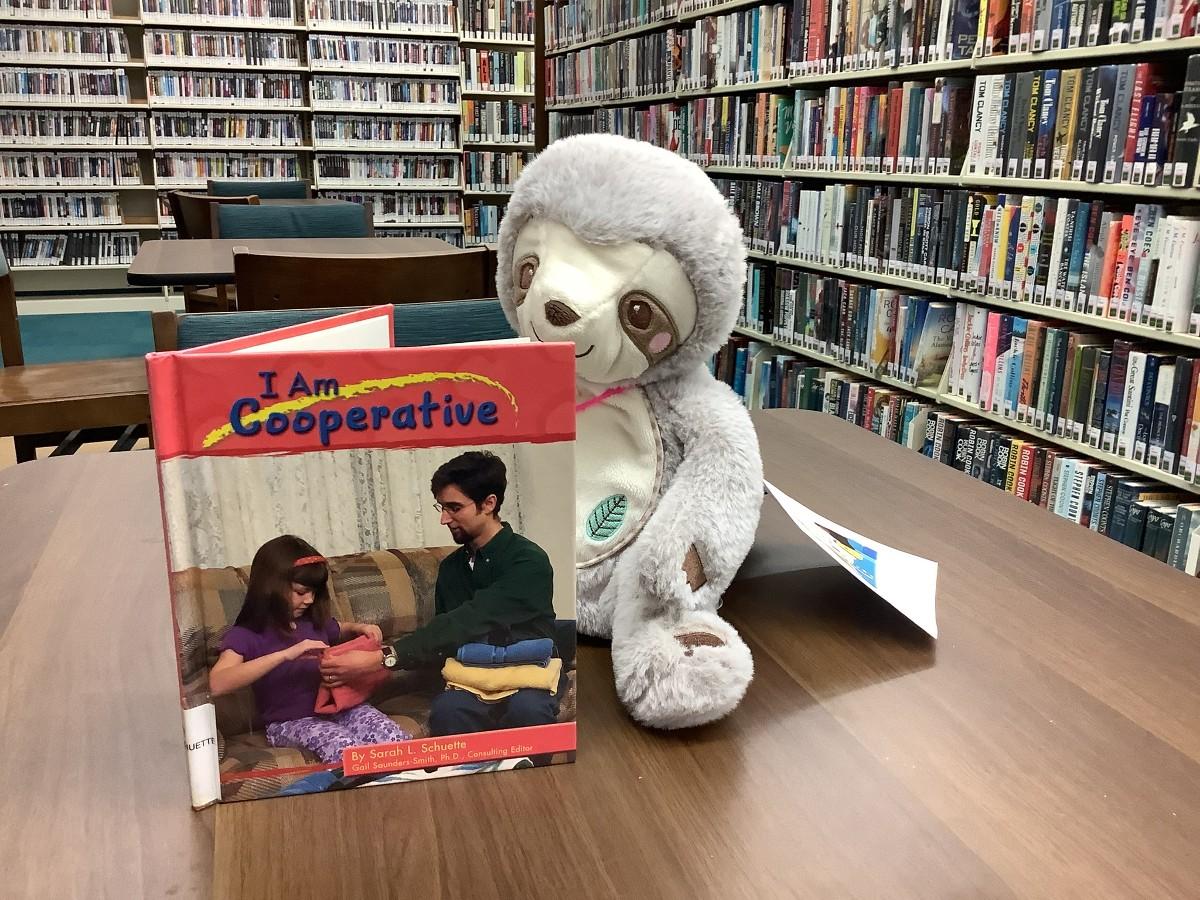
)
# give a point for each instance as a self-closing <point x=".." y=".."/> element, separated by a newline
<point x="577" y="21"/>
<point x="817" y="36"/>
<point x="111" y="87"/>
<point x="80" y="86"/>
<point x="1111" y="394"/>
<point x="28" y="127"/>
<point x="397" y="171"/>
<point x="68" y="126"/>
<point x="385" y="15"/>
<point x="257" y="88"/>
<point x="386" y="170"/>
<point x="328" y="51"/>
<point x="501" y="121"/>
<point x="79" y="248"/>
<point x="232" y="48"/>
<point x="260" y="12"/>
<point x="257" y="48"/>
<point x="1140" y="512"/>
<point x="1116" y="261"/>
<point x="67" y="9"/>
<point x="433" y="16"/>
<point x="481" y="223"/>
<point x="488" y="170"/>
<point x="386" y="131"/>
<point x="452" y="236"/>
<point x="190" y="168"/>
<point x="267" y="129"/>
<point x="396" y="207"/>
<point x="481" y="19"/>
<point x="510" y="20"/>
<point x="497" y="70"/>
<point x="70" y="208"/>
<point x="61" y="43"/>
<point x="75" y="169"/>
<point x="1112" y="124"/>
<point x="382" y="91"/>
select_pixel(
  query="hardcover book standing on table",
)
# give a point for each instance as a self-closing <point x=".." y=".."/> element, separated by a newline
<point x="371" y="556"/>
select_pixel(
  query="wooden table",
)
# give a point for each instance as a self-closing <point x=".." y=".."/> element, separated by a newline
<point x="66" y="396"/>
<point x="168" y="263"/>
<point x="1046" y="746"/>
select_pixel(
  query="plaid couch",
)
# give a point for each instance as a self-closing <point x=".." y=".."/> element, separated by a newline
<point x="390" y="588"/>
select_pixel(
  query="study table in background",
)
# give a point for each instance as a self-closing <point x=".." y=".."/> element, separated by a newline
<point x="1047" y="745"/>
<point x="168" y="263"/>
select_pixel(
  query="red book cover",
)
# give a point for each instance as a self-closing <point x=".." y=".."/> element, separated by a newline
<point x="327" y="489"/>
<point x="1025" y="470"/>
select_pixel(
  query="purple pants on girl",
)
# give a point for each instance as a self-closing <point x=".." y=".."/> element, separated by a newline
<point x="328" y="736"/>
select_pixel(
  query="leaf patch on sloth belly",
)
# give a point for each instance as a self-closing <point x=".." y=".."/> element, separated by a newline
<point x="606" y="519"/>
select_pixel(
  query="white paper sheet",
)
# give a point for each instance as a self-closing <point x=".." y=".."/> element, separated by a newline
<point x="907" y="582"/>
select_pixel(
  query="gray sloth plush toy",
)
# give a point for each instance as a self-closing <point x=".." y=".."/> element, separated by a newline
<point x="630" y="252"/>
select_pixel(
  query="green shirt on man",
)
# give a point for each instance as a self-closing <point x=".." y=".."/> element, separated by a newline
<point x="505" y="595"/>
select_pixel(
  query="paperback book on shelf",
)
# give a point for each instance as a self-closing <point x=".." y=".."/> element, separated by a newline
<point x="306" y="527"/>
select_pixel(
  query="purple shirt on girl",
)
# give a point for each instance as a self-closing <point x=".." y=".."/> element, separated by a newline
<point x="289" y="691"/>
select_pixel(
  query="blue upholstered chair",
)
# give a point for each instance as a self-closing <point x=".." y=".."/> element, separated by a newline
<point x="266" y="189"/>
<point x="416" y="324"/>
<point x="327" y="220"/>
<point x="66" y="383"/>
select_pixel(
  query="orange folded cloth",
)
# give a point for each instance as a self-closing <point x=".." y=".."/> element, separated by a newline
<point x="496" y="683"/>
<point x="349" y="695"/>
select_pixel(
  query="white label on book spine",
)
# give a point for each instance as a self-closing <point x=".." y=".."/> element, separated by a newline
<point x="204" y="768"/>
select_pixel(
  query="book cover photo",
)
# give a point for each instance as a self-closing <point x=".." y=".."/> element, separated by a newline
<point x="370" y="553"/>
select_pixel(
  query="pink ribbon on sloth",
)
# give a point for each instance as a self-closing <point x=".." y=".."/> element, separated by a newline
<point x="600" y="398"/>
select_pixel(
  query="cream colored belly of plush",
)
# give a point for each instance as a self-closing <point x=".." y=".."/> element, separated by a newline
<point x="618" y="467"/>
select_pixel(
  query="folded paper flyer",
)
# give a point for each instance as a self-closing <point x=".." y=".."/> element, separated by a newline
<point x="907" y="582"/>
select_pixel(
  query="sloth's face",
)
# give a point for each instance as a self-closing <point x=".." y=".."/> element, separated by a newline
<point x="625" y="306"/>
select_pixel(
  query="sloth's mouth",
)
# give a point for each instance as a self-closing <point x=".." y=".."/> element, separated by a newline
<point x="540" y="341"/>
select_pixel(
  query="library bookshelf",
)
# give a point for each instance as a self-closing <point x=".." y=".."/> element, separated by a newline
<point x="984" y="193"/>
<point x="140" y="97"/>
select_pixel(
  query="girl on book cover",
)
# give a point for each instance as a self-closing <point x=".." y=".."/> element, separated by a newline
<point x="275" y="646"/>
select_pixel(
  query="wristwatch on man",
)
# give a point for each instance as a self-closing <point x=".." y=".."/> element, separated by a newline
<point x="389" y="656"/>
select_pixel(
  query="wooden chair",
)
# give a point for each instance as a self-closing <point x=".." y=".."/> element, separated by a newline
<point x="327" y="220"/>
<point x="267" y="189"/>
<point x="42" y="404"/>
<point x="415" y="324"/>
<point x="193" y="221"/>
<point x="309" y="281"/>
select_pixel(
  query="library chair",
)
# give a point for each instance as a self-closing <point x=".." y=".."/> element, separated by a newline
<point x="297" y="189"/>
<point x="193" y="221"/>
<point x="65" y="405"/>
<point x="415" y="324"/>
<point x="312" y="280"/>
<point x="193" y="212"/>
<point x="328" y="220"/>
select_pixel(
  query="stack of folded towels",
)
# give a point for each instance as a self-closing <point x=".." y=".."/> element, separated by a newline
<point x="493" y="673"/>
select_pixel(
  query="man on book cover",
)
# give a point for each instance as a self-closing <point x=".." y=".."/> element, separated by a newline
<point x="494" y="622"/>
